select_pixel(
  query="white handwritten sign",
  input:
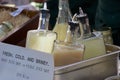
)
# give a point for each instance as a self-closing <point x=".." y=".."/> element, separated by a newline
<point x="18" y="63"/>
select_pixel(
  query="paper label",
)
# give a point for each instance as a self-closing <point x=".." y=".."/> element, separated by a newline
<point x="16" y="12"/>
<point x="18" y="63"/>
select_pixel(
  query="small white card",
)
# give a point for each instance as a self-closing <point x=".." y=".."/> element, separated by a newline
<point x="18" y="63"/>
<point x="16" y="12"/>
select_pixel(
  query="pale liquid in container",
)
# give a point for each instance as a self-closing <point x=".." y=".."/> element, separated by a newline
<point x="37" y="40"/>
<point x="93" y="47"/>
<point x="61" y="30"/>
<point x="64" y="55"/>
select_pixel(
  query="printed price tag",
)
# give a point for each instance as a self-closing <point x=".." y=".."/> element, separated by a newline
<point x="18" y="63"/>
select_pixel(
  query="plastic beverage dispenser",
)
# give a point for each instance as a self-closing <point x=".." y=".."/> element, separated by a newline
<point x="94" y="43"/>
<point x="64" y="16"/>
<point x="41" y="39"/>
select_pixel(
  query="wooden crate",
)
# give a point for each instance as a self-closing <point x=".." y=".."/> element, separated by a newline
<point x="18" y="35"/>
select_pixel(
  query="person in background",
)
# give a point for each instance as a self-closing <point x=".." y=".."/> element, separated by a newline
<point x="108" y="14"/>
<point x="88" y="6"/>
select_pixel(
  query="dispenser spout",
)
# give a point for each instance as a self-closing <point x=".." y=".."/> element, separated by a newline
<point x="44" y="17"/>
<point x="45" y="6"/>
<point x="81" y="11"/>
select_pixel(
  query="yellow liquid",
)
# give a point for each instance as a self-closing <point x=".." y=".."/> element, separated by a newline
<point x="67" y="55"/>
<point x="37" y="40"/>
<point x="93" y="47"/>
<point x="61" y="30"/>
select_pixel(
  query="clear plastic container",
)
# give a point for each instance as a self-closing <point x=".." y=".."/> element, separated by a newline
<point x="67" y="53"/>
<point x="64" y="16"/>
